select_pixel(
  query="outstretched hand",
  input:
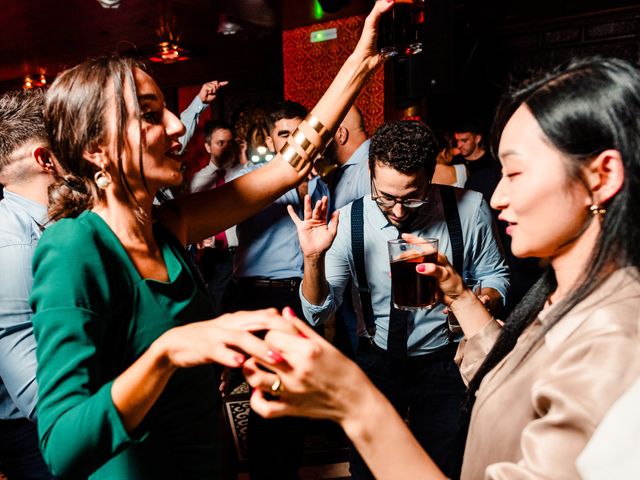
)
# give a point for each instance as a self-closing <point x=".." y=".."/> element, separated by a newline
<point x="209" y="90"/>
<point x="314" y="233"/>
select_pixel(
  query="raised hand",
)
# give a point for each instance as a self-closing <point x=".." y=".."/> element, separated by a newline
<point x="367" y="45"/>
<point x="209" y="90"/>
<point x="314" y="233"/>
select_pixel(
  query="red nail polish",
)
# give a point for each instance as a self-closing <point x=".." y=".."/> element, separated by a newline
<point x="289" y="311"/>
<point x="300" y="334"/>
<point x="275" y="356"/>
<point x="421" y="268"/>
<point x="239" y="359"/>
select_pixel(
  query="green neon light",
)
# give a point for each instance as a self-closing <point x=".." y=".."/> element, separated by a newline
<point x="324" y="35"/>
<point x="317" y="10"/>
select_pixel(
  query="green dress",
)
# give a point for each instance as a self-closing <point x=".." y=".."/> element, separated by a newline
<point x="94" y="316"/>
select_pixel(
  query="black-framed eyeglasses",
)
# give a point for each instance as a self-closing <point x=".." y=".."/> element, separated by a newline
<point x="388" y="202"/>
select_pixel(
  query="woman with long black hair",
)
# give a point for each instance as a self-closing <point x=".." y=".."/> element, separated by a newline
<point x="569" y="145"/>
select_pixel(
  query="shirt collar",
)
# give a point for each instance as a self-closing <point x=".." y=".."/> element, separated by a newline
<point x="356" y="157"/>
<point x="35" y="210"/>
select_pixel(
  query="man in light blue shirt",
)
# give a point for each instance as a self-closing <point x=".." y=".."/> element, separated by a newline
<point x="350" y="181"/>
<point x="215" y="255"/>
<point x="190" y="117"/>
<point x="422" y="382"/>
<point x="267" y="273"/>
<point x="350" y="151"/>
<point x="26" y="170"/>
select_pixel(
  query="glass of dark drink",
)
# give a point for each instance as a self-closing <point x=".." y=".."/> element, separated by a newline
<point x="400" y="31"/>
<point x="410" y="290"/>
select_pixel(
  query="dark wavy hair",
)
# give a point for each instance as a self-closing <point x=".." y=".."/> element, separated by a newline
<point x="583" y="108"/>
<point x="407" y="146"/>
<point x="285" y="109"/>
<point x="76" y="116"/>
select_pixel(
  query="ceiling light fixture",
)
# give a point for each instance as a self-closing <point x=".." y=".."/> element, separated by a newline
<point x="226" y="26"/>
<point x="109" y="3"/>
<point x="169" y="51"/>
<point x="34" y="81"/>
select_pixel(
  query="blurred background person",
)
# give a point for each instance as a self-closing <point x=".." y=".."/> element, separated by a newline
<point x="27" y="169"/>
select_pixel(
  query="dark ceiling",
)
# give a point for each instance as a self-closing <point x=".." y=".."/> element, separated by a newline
<point x="46" y="35"/>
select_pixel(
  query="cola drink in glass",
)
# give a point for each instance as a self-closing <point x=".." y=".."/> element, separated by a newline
<point x="401" y="29"/>
<point x="410" y="290"/>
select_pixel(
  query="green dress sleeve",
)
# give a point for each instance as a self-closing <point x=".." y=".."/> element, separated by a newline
<point x="76" y="297"/>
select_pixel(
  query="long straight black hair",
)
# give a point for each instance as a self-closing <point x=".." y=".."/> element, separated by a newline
<point x="583" y="108"/>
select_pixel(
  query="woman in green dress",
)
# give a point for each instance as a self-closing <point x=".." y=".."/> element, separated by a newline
<point x="125" y="350"/>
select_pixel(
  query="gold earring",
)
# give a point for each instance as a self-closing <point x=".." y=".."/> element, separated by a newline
<point x="596" y="209"/>
<point x="102" y="179"/>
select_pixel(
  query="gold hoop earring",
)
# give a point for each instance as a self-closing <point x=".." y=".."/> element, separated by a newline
<point x="596" y="209"/>
<point x="102" y="179"/>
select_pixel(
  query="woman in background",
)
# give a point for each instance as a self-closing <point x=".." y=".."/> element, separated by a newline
<point x="569" y="145"/>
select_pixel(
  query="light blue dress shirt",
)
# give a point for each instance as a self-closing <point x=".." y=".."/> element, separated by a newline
<point x="189" y="118"/>
<point x="268" y="243"/>
<point x="355" y="180"/>
<point x="20" y="230"/>
<point x="483" y="259"/>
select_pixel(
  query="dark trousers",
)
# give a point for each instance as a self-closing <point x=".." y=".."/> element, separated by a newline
<point x="346" y="323"/>
<point x="428" y="392"/>
<point x="275" y="446"/>
<point x="20" y="456"/>
<point x="216" y="266"/>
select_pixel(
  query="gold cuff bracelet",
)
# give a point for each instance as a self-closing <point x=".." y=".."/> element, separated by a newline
<point x="320" y="130"/>
<point x="293" y="158"/>
<point x="307" y="146"/>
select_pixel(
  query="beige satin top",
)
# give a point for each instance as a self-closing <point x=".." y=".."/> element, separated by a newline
<point x="532" y="418"/>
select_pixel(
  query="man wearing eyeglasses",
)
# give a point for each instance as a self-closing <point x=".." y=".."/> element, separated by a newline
<point x="420" y="379"/>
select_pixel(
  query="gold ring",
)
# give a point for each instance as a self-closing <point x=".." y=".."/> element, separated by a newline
<point x="277" y="388"/>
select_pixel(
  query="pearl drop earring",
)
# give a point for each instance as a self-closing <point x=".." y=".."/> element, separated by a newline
<point x="102" y="179"/>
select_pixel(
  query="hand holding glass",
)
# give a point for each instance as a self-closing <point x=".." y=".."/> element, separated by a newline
<point x="401" y="29"/>
<point x="475" y="286"/>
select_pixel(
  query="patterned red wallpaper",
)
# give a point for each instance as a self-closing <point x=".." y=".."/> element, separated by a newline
<point x="309" y="67"/>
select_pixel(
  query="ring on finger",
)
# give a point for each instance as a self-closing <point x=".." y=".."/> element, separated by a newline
<point x="277" y="388"/>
